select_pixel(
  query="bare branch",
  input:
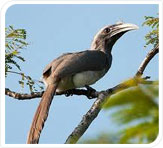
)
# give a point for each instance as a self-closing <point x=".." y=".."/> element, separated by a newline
<point x="21" y="96"/>
<point x="97" y="106"/>
<point x="103" y="96"/>
<point x="147" y="59"/>
<point x="24" y="96"/>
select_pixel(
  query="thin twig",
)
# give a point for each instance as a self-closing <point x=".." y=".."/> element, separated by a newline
<point x="26" y="76"/>
<point x="147" y="59"/>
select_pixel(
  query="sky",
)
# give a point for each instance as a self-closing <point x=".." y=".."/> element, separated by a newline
<point x="56" y="29"/>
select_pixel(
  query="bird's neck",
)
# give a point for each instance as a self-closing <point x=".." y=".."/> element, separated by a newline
<point x="103" y="46"/>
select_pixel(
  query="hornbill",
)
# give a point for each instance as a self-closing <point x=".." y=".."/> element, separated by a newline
<point x="76" y="70"/>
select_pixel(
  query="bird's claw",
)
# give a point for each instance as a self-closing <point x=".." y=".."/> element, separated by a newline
<point x="69" y="93"/>
<point x="89" y="88"/>
<point x="90" y="91"/>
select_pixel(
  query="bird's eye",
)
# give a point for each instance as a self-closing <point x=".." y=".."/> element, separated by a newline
<point x="107" y="30"/>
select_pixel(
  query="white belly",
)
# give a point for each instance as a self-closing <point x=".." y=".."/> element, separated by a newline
<point x="87" y="78"/>
<point x="78" y="80"/>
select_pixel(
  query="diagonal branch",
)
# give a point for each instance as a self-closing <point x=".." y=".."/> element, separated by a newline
<point x="147" y="59"/>
<point x="103" y="96"/>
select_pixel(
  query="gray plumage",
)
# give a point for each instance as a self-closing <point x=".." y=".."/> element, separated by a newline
<point x="72" y="63"/>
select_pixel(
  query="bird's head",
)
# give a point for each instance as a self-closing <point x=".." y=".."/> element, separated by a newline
<point x="108" y="35"/>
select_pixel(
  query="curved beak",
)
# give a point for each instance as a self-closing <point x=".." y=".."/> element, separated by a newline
<point x="122" y="28"/>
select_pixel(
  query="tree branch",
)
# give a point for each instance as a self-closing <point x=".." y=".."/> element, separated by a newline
<point x="104" y="95"/>
<point x="147" y="59"/>
<point x="24" y="96"/>
<point x="21" y="96"/>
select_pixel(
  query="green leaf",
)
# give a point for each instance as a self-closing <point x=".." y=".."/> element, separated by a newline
<point x="138" y="103"/>
<point x="153" y="36"/>
<point x="21" y="83"/>
<point x="143" y="133"/>
<point x="15" y="41"/>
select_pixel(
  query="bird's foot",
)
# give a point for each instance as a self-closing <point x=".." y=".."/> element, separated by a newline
<point x="90" y="91"/>
<point x="69" y="92"/>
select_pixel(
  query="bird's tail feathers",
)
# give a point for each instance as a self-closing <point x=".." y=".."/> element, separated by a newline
<point x="41" y="115"/>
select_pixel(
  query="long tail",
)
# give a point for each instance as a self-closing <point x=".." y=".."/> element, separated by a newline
<point x="41" y="115"/>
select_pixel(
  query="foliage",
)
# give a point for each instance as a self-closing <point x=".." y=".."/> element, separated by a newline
<point x="103" y="138"/>
<point x="14" y="43"/>
<point x="136" y="105"/>
<point x="153" y="36"/>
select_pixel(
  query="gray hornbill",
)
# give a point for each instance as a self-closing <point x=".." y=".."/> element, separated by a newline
<point x="75" y="70"/>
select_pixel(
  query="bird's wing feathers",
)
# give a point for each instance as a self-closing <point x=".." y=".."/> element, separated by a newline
<point x="47" y="70"/>
<point x="79" y="62"/>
